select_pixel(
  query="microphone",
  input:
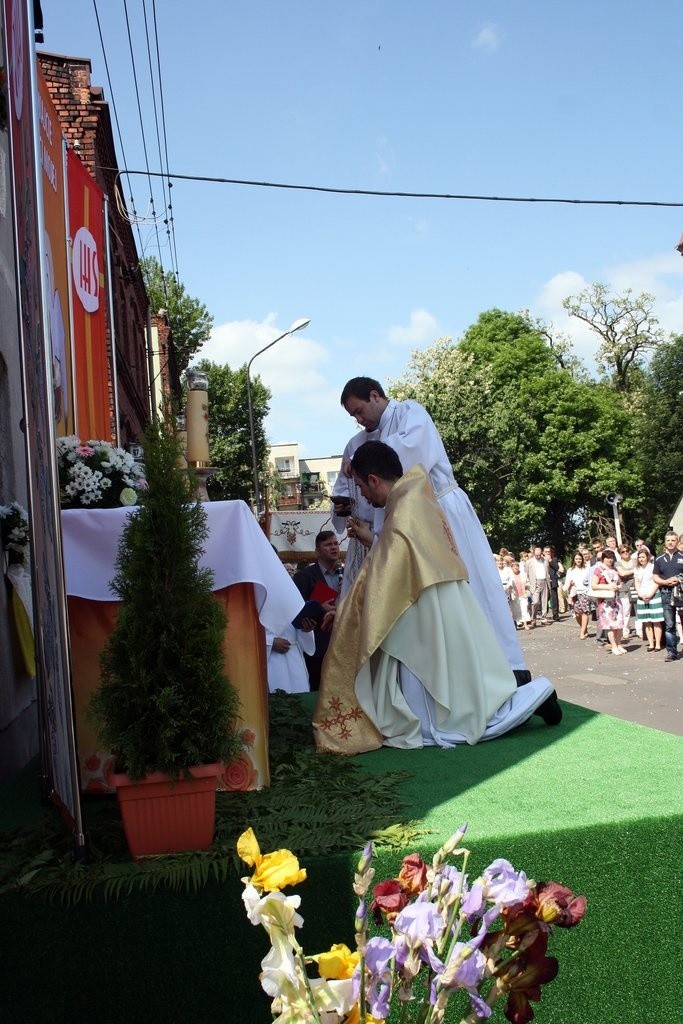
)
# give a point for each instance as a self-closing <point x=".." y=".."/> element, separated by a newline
<point x="339" y="569"/>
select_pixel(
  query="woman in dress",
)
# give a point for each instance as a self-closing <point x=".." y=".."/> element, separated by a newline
<point x="649" y="612"/>
<point x="519" y="596"/>
<point x="605" y="580"/>
<point x="576" y="586"/>
<point x="624" y="566"/>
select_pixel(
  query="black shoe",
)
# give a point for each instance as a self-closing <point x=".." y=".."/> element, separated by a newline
<point x="550" y="710"/>
<point x="522" y="675"/>
<point x="672" y="657"/>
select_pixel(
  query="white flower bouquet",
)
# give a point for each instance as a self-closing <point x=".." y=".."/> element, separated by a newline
<point x="95" y="474"/>
<point x="14" y="533"/>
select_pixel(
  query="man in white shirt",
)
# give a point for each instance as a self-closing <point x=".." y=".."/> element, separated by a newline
<point x="408" y="428"/>
<point x="537" y="574"/>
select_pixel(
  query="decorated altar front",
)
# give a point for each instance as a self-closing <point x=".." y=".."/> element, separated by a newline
<point x="250" y="582"/>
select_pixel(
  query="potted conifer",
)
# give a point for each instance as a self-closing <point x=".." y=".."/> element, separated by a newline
<point x="164" y="706"/>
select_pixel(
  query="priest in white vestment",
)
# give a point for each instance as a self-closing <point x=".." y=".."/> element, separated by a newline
<point x="413" y="660"/>
<point x="409" y="429"/>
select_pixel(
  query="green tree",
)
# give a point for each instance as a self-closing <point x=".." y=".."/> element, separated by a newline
<point x="189" y="320"/>
<point x="164" y="703"/>
<point x="660" y="439"/>
<point x="537" y="448"/>
<point x="627" y="326"/>
<point x="229" y="433"/>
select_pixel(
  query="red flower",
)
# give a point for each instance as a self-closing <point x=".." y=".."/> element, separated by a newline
<point x="240" y="774"/>
<point x="248" y="737"/>
<point x="413" y="874"/>
<point x="92" y="763"/>
<point x="523" y="978"/>
<point x="549" y="903"/>
<point x="388" y="898"/>
<point x="558" y="905"/>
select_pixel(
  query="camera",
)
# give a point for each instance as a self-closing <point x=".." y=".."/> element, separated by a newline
<point x="342" y="506"/>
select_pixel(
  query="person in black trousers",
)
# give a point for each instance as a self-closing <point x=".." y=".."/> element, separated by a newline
<point x="555" y="573"/>
<point x="327" y="571"/>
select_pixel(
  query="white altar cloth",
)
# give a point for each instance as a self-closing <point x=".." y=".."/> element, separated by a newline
<point x="237" y="551"/>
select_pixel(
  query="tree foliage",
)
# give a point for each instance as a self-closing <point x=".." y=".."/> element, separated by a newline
<point x="659" y="449"/>
<point x="189" y="320"/>
<point x="627" y="326"/>
<point x="537" y="446"/>
<point x="229" y="433"/>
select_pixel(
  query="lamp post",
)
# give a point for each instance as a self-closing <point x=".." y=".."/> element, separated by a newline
<point x="296" y="326"/>
<point x="613" y="500"/>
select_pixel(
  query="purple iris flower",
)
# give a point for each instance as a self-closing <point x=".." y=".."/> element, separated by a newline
<point x="468" y="970"/>
<point x="474" y="901"/>
<point x="464" y="972"/>
<point x="378" y="1001"/>
<point x="479" y="1005"/>
<point x="419" y="921"/>
<point x="378" y="955"/>
<point x="504" y="885"/>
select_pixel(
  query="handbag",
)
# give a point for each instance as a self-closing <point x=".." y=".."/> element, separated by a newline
<point x="677" y="596"/>
<point x="647" y="593"/>
<point x="598" y="595"/>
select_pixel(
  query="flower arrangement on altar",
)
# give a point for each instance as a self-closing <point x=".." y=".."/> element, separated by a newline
<point x="14" y="533"/>
<point x="485" y="939"/>
<point x="95" y="474"/>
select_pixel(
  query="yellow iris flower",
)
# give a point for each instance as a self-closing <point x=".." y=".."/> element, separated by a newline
<point x="273" y="870"/>
<point x="339" y="962"/>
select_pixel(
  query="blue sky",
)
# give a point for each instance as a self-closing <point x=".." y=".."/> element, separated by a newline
<point x="501" y="98"/>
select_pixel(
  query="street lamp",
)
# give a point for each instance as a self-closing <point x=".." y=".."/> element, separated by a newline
<point x="296" y="326"/>
<point x="613" y="500"/>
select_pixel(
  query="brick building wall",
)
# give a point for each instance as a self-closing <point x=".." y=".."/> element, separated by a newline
<point x="86" y="124"/>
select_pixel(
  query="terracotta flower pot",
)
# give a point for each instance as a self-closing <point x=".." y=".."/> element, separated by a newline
<point x="164" y="815"/>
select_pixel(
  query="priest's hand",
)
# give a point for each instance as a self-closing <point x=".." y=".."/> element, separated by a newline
<point x="360" y="530"/>
<point x="281" y="645"/>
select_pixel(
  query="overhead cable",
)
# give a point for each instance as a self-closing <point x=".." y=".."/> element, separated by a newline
<point x="402" y="195"/>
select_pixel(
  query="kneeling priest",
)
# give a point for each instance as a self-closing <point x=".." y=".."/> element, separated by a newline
<point x="413" y="660"/>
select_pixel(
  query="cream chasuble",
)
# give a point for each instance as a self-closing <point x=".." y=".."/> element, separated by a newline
<point x="411" y="605"/>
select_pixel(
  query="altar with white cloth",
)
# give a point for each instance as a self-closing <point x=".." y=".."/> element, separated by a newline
<point x="249" y="581"/>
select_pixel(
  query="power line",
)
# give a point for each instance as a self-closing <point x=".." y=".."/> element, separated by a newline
<point x="116" y="116"/>
<point x="401" y="195"/>
<point x="144" y="141"/>
<point x="171" y="216"/>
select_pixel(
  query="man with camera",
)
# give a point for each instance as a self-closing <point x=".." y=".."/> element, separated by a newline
<point x="668" y="570"/>
<point x="320" y="582"/>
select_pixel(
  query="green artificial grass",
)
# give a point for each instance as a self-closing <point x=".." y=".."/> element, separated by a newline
<point x="306" y="808"/>
<point x="594" y="803"/>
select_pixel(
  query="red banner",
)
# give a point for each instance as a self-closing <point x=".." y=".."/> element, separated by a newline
<point x="86" y="231"/>
<point x="56" y="270"/>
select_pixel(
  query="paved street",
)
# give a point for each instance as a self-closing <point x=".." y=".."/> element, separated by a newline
<point x="638" y="687"/>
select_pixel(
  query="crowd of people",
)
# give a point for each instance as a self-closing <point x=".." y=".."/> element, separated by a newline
<point x="625" y="592"/>
<point x="413" y="642"/>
